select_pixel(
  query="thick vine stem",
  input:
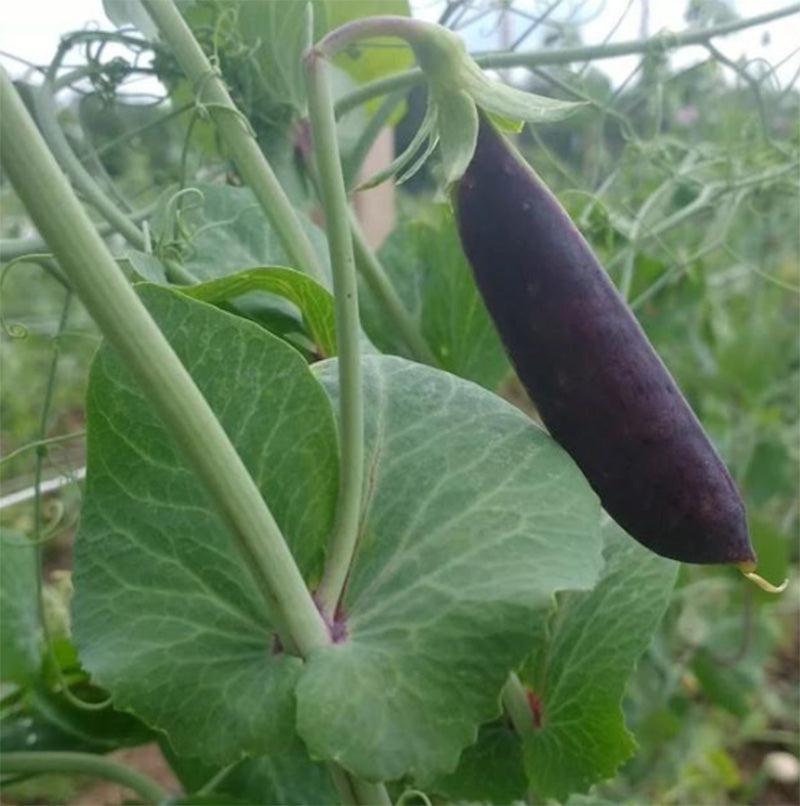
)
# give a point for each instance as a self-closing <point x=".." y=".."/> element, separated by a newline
<point x="248" y="157"/>
<point x="544" y="58"/>
<point x="348" y="331"/>
<point x="124" y="321"/>
<point x="90" y="764"/>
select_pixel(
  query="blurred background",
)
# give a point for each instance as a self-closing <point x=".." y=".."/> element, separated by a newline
<point x="682" y="171"/>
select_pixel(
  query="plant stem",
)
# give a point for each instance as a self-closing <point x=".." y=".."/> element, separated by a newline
<point x="344" y="786"/>
<point x="370" y="794"/>
<point x="124" y="321"/>
<point x="81" y="178"/>
<point x="381" y="286"/>
<point x="348" y="331"/>
<point x="238" y="136"/>
<point x="515" y="701"/>
<point x="406" y="28"/>
<point x="660" y="42"/>
<point x="90" y="764"/>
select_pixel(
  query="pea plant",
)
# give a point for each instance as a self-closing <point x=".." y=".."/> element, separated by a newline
<point x="321" y="557"/>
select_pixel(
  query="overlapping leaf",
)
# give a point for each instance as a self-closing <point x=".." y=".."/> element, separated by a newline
<point x="314" y="302"/>
<point x="166" y="615"/>
<point x="474" y="518"/>
<point x="583" y="657"/>
<point x="595" y="641"/>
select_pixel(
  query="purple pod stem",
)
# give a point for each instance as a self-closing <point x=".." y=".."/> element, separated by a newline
<point x="601" y="389"/>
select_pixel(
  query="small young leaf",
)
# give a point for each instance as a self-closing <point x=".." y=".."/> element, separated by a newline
<point x="579" y="676"/>
<point x="314" y="301"/>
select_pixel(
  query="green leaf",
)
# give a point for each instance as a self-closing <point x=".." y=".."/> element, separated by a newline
<point x="45" y="720"/>
<point x="277" y="33"/>
<point x="229" y="232"/>
<point x="473" y="518"/>
<point x="147" y="267"/>
<point x="457" y="124"/>
<point x="20" y="637"/>
<point x="290" y="315"/>
<point x="579" y="677"/>
<point x="490" y="771"/>
<point x="427" y="266"/>
<point x="511" y="104"/>
<point x="287" y="776"/>
<point x="166" y="615"/>
<point x="730" y="666"/>
<point x="314" y="301"/>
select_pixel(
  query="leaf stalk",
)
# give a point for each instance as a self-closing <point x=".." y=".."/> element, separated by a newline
<point x="348" y="333"/>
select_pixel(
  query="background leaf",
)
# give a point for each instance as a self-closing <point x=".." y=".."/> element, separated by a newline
<point x="427" y="266"/>
<point x="277" y="35"/>
<point x="229" y="232"/>
<point x="20" y="637"/>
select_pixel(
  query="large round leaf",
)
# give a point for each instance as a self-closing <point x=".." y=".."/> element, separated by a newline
<point x="473" y="519"/>
<point x="167" y="616"/>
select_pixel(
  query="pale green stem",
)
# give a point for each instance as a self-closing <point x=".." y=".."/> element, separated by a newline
<point x="12" y="248"/>
<point x="124" y="321"/>
<point x="348" y="331"/>
<point x="251" y="163"/>
<point x="41" y="443"/>
<point x="381" y="286"/>
<point x="344" y="786"/>
<point x="83" y="181"/>
<point x="89" y="764"/>
<point x="370" y="794"/>
<point x="539" y="58"/>
<point x="405" y="28"/>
